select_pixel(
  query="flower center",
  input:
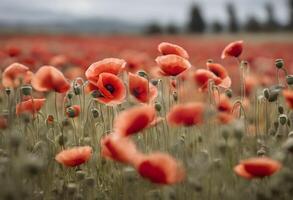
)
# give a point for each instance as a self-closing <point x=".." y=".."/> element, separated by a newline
<point x="110" y="88"/>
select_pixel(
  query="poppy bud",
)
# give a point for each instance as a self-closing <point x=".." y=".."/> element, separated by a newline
<point x="142" y="74"/>
<point x="290" y="134"/>
<point x="273" y="95"/>
<point x="225" y="133"/>
<point x="65" y="122"/>
<point x="73" y="111"/>
<point x="76" y="90"/>
<point x="229" y="93"/>
<point x="95" y="112"/>
<point x="90" y="181"/>
<point x="261" y="152"/>
<point x="289" y="79"/>
<point x="154" y="82"/>
<point x="158" y="106"/>
<point x="80" y="175"/>
<point x="210" y="61"/>
<point x="26" y="90"/>
<point x="279" y="63"/>
<point x="283" y="119"/>
<point x="281" y="109"/>
<point x="61" y="139"/>
<point x="71" y="188"/>
<point x="50" y="120"/>
<point x="266" y="93"/>
<point x="8" y="91"/>
<point x="69" y="95"/>
<point x="96" y="94"/>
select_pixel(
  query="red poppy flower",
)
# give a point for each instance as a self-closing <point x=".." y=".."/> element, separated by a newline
<point x="161" y="168"/>
<point x="221" y="73"/>
<point x="111" y="89"/>
<point x="49" y="78"/>
<point x="134" y="120"/>
<point x="73" y="111"/>
<point x="118" y="148"/>
<point x="202" y="77"/>
<point x="233" y="49"/>
<point x="166" y="48"/>
<point x="172" y="65"/>
<point x="257" y="167"/>
<point x="135" y="60"/>
<point x="141" y="89"/>
<point x="109" y="65"/>
<point x="74" y="156"/>
<point x="30" y="106"/>
<point x="288" y="95"/>
<point x="186" y="114"/>
<point x="13" y="51"/>
<point x="224" y="104"/>
<point x="3" y="122"/>
<point x="15" y="74"/>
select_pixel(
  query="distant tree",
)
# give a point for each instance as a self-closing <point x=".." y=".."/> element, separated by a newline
<point x="196" y="22"/>
<point x="271" y="24"/>
<point x="153" y="28"/>
<point x="290" y="6"/>
<point x="233" y="22"/>
<point x="252" y="25"/>
<point x="172" y="29"/>
<point x="217" y="27"/>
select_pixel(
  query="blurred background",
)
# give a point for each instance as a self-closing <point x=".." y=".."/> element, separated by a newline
<point x="145" y="16"/>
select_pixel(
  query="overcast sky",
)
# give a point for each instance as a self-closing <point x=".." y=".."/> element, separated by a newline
<point x="136" y="11"/>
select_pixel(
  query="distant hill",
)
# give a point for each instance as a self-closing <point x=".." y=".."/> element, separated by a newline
<point x="78" y="25"/>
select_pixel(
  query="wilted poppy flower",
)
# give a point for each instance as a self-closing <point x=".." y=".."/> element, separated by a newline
<point x="141" y="89"/>
<point x="202" y="77"/>
<point x="49" y="78"/>
<point x="119" y="148"/>
<point x="73" y="111"/>
<point x="166" y="48"/>
<point x="172" y="65"/>
<point x="288" y="95"/>
<point x="257" y="167"/>
<point x="134" y="120"/>
<point x="233" y="49"/>
<point x="15" y="74"/>
<point x="30" y="106"/>
<point x="221" y="73"/>
<point x="74" y="156"/>
<point x="109" y="65"/>
<point x="186" y="114"/>
<point x="111" y="89"/>
<point x="161" y="168"/>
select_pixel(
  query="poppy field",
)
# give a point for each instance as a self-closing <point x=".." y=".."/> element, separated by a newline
<point x="155" y="118"/>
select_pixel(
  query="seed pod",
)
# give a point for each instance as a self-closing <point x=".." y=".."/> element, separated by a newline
<point x="175" y="96"/>
<point x="90" y="181"/>
<point x="8" y="91"/>
<point x="80" y="175"/>
<point x="273" y="95"/>
<point x="69" y="95"/>
<point x="154" y="82"/>
<point x="279" y="63"/>
<point x="283" y="119"/>
<point x="26" y="90"/>
<point x="71" y="188"/>
<point x="266" y="93"/>
<point x="288" y="145"/>
<point x="281" y="109"/>
<point x="289" y="79"/>
<point x="143" y="74"/>
<point x="95" y="112"/>
<point x="229" y="93"/>
<point x="96" y="94"/>
<point x="261" y="152"/>
<point x="290" y="135"/>
<point x="77" y="89"/>
<point x="158" y="106"/>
